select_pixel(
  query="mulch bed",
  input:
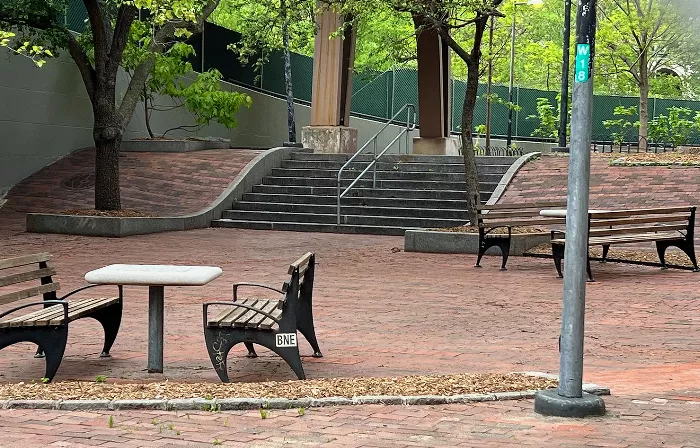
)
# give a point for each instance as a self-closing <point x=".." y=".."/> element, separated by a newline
<point x="679" y="158"/>
<point x="500" y="230"/>
<point x="672" y="256"/>
<point x="112" y="213"/>
<point x="446" y="385"/>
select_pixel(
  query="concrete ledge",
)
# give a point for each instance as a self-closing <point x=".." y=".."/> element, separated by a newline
<point x="164" y="145"/>
<point x="105" y="226"/>
<point x="433" y="241"/>
<point x="509" y="175"/>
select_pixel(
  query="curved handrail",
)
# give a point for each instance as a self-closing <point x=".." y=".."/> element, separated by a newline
<point x="410" y="111"/>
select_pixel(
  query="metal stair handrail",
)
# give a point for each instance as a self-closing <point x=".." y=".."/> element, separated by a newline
<point x="410" y="110"/>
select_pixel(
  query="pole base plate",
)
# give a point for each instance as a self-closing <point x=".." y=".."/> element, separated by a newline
<point x="549" y="402"/>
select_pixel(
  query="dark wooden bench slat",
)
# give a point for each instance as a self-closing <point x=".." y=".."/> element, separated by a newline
<point x="243" y="319"/>
<point x="645" y="229"/>
<point x="595" y="222"/>
<point x="268" y="307"/>
<point x="599" y="240"/>
<point x="231" y="317"/>
<point x="29" y="292"/>
<point x="46" y="314"/>
<point x="641" y="211"/>
<point x="301" y="263"/>
<point x="538" y="205"/>
<point x="268" y="323"/>
<point x="26" y="276"/>
<point x="24" y="260"/>
<point x="531" y="222"/>
<point x="506" y="215"/>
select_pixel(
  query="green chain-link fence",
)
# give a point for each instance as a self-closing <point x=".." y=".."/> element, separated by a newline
<point x="380" y="95"/>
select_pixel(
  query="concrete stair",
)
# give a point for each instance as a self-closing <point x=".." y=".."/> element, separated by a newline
<point x="412" y="192"/>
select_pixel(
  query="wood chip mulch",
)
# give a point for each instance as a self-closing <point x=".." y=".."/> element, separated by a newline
<point x="498" y="231"/>
<point x="672" y="256"/>
<point x="112" y="213"/>
<point x="660" y="159"/>
<point x="445" y="385"/>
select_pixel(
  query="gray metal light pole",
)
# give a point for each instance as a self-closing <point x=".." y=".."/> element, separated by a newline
<point x="569" y="400"/>
<point x="564" y="102"/>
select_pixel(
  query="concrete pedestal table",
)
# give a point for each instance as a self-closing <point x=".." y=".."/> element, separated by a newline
<point x="156" y="277"/>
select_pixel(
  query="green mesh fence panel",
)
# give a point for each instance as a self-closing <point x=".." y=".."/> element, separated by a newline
<point x="405" y="89"/>
<point x="76" y="15"/>
<point x="603" y="110"/>
<point x="526" y="120"/>
<point x="371" y="94"/>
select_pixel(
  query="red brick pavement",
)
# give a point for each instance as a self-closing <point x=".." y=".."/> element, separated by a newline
<point x="155" y="183"/>
<point x="611" y="186"/>
<point x="644" y="422"/>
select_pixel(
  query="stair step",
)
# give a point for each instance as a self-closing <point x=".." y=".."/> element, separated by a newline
<point x="401" y="166"/>
<point x="308" y="227"/>
<point x="355" y="201"/>
<point x="381" y="184"/>
<point x="330" y="218"/>
<point x="347" y="209"/>
<point x="367" y="192"/>
<point x="394" y="158"/>
<point x="384" y="175"/>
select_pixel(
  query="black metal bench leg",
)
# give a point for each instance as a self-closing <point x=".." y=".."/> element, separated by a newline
<point x="588" y="268"/>
<point x="661" y="247"/>
<point x="39" y="353"/>
<point x="291" y="356"/>
<point x="689" y="249"/>
<point x="505" y="251"/>
<point x="54" y="350"/>
<point x="110" y="318"/>
<point x="482" y="251"/>
<point x="251" y="350"/>
<point x="219" y="343"/>
<point x="558" y="255"/>
<point x="305" y="325"/>
<point x="606" y="248"/>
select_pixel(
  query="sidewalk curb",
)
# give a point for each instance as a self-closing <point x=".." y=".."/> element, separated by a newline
<point x="240" y="404"/>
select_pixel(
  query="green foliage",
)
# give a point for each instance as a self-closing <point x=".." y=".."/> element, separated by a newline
<point x="110" y="422"/>
<point x="301" y="412"/>
<point x="547" y="119"/>
<point x="100" y="378"/>
<point x="36" y="53"/>
<point x="45" y="380"/>
<point x="621" y="125"/>
<point x="675" y="128"/>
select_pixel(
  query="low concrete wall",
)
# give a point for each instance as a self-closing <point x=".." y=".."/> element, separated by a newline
<point x="251" y="175"/>
<point x="172" y="145"/>
<point x="432" y="241"/>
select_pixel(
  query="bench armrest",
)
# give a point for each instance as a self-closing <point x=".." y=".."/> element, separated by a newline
<point x="205" y="309"/>
<point x="88" y="287"/>
<point x="255" y="285"/>
<point x="43" y="302"/>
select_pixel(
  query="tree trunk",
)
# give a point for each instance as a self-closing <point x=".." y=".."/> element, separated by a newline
<point x="107" y="133"/>
<point x="291" y="121"/>
<point x="643" y="100"/>
<point x="471" y="177"/>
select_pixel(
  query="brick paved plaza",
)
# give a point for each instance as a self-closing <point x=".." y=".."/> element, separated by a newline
<point x="379" y="312"/>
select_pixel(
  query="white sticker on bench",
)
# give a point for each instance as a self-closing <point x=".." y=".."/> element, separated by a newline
<point x="286" y="340"/>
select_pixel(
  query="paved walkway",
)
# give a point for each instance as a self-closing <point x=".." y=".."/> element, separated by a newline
<point x="155" y="183"/>
<point x="644" y="422"/>
<point x="379" y="312"/>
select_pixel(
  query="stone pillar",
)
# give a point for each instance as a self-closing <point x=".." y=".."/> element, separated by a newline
<point x="334" y="58"/>
<point x="434" y="94"/>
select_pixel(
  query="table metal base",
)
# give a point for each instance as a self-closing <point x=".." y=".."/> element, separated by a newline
<point x="156" y="301"/>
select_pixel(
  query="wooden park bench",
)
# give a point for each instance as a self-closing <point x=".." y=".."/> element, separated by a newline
<point x="272" y="323"/>
<point x="666" y="226"/>
<point x="29" y="276"/>
<point x="507" y="216"/>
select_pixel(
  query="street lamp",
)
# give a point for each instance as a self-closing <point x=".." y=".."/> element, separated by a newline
<point x="537" y="4"/>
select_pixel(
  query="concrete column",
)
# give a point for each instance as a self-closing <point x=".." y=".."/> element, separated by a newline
<point x="434" y="94"/>
<point x="334" y="59"/>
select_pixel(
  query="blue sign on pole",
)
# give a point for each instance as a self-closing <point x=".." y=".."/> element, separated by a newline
<point x="583" y="62"/>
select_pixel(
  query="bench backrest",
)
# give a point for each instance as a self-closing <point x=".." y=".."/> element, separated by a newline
<point x="27" y="276"/>
<point x="647" y="220"/>
<point x="519" y="214"/>
<point x="302" y="278"/>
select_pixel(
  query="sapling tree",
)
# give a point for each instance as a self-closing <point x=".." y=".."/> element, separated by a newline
<point x="38" y="27"/>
